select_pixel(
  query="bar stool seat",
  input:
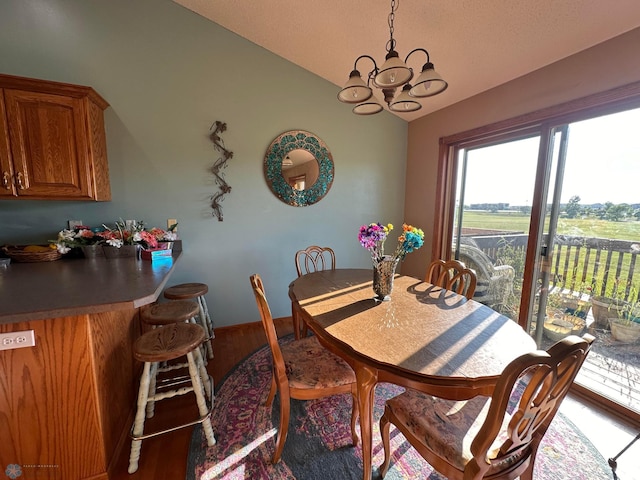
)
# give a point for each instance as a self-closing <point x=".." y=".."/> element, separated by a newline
<point x="195" y="291"/>
<point x="163" y="344"/>
<point x="170" y="312"/>
<point x="186" y="291"/>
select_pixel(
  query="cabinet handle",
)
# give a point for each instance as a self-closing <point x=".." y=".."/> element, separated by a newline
<point x="6" y="180"/>
<point x="19" y="180"/>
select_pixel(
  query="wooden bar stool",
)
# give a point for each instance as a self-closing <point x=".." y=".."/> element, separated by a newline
<point x="161" y="345"/>
<point x="178" y="311"/>
<point x="195" y="291"/>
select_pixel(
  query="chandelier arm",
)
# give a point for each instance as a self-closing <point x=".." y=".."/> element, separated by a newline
<point x="417" y="50"/>
<point x="375" y="65"/>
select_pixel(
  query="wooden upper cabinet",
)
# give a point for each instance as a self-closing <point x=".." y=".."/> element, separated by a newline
<point x="52" y="141"/>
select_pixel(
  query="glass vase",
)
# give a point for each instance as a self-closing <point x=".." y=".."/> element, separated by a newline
<point x="383" y="273"/>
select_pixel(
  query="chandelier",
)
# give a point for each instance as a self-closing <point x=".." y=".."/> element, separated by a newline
<point x="393" y="74"/>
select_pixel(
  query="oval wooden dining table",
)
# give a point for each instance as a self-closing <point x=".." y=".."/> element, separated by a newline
<point x="424" y="337"/>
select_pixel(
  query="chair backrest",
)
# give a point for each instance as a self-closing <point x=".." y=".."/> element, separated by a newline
<point x="314" y="259"/>
<point x="269" y="327"/>
<point x="534" y="386"/>
<point x="452" y="275"/>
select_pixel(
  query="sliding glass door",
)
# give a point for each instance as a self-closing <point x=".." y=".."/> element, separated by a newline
<point x="588" y="274"/>
<point x="493" y="211"/>
<point x="550" y="220"/>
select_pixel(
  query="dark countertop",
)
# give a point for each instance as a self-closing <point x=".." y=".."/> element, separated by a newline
<point x="69" y="287"/>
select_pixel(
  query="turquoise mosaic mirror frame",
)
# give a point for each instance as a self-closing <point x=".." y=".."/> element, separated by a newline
<point x="276" y="154"/>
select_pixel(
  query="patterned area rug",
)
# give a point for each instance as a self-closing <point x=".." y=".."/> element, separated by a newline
<point x="319" y="441"/>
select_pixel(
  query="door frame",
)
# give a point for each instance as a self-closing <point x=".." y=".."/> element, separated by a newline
<point x="541" y="122"/>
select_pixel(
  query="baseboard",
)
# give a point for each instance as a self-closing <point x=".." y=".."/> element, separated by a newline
<point x="281" y="322"/>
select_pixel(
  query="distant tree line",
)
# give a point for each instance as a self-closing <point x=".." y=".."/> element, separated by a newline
<point x="572" y="209"/>
<point x="607" y="211"/>
<point x="492" y="207"/>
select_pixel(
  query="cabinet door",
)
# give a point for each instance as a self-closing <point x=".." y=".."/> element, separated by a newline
<point x="48" y="144"/>
<point x="7" y="187"/>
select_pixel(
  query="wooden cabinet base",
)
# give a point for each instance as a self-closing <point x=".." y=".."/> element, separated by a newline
<point x="66" y="404"/>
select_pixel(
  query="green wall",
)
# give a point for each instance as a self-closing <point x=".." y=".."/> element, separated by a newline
<point x="168" y="74"/>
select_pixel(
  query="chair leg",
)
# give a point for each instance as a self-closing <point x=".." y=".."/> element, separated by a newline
<point x="138" y="423"/>
<point x="203" y="346"/>
<point x="204" y="375"/>
<point x="153" y="376"/>
<point x="272" y="391"/>
<point x="205" y="323"/>
<point x="198" y="389"/>
<point x="207" y="317"/>
<point x="283" y="429"/>
<point x="528" y="473"/>
<point x="384" y="433"/>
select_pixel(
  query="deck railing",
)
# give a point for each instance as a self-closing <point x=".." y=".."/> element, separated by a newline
<point x="594" y="266"/>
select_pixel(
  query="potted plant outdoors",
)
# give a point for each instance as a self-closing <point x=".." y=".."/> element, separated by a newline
<point x="609" y="305"/>
<point x="625" y="328"/>
<point x="565" y="315"/>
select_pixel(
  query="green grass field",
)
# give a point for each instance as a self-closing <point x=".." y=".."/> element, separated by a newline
<point x="586" y="227"/>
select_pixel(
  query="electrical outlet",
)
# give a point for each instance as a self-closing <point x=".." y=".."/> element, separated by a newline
<point x="11" y="340"/>
<point x="74" y="223"/>
<point x="171" y="222"/>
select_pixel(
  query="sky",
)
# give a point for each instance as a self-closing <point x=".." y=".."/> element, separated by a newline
<point x="603" y="165"/>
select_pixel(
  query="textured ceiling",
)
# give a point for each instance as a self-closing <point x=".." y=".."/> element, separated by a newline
<point x="474" y="44"/>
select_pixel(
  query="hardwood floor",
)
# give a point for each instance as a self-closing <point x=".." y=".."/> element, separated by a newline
<point x="165" y="456"/>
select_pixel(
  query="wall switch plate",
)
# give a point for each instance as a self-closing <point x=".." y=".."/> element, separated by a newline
<point x="172" y="221"/>
<point x="11" y="340"/>
<point x="74" y="223"/>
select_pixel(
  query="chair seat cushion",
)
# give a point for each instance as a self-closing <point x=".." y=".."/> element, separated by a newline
<point x="310" y="365"/>
<point x="447" y="427"/>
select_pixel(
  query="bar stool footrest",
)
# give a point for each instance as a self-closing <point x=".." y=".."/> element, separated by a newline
<point x="144" y="436"/>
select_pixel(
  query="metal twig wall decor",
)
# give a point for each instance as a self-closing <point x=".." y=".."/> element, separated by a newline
<point x="217" y="128"/>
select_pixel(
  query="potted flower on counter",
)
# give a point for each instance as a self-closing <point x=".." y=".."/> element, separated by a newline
<point x="165" y="238"/>
<point x="89" y="240"/>
<point x="127" y="239"/>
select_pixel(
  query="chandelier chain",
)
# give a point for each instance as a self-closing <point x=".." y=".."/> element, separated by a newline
<point x="391" y="44"/>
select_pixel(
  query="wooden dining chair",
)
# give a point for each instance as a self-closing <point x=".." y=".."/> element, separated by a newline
<point x="452" y="275"/>
<point x="314" y="259"/>
<point x="303" y="370"/>
<point x="493" y="437"/>
<point x="311" y="259"/>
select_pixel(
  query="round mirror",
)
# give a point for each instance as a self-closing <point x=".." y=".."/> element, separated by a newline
<point x="298" y="168"/>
